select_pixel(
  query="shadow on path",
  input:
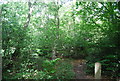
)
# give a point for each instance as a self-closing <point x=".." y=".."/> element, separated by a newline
<point x="79" y="67"/>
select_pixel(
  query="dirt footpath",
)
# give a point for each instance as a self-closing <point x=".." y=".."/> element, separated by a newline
<point x="79" y="66"/>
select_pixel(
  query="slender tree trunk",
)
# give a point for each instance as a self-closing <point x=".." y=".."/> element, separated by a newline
<point x="17" y="50"/>
<point x="16" y="53"/>
<point x="29" y="14"/>
<point x="73" y="24"/>
<point x="54" y="51"/>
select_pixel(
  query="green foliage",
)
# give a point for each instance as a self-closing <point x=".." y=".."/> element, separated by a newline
<point x="111" y="65"/>
<point x="82" y="30"/>
<point x="64" y="70"/>
<point x="52" y="69"/>
<point x="49" y="66"/>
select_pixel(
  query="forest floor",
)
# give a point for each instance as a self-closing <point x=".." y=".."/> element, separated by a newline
<point x="79" y="69"/>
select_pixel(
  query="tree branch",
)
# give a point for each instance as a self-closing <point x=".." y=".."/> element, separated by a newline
<point x="29" y="15"/>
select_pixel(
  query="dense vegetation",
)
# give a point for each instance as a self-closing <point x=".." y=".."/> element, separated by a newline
<point x="37" y="36"/>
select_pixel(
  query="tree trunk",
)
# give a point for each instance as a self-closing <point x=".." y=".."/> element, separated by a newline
<point x="57" y="36"/>
<point x="17" y="51"/>
<point x="29" y="14"/>
<point x="54" y="53"/>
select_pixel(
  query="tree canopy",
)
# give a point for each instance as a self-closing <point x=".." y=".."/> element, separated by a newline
<point x="37" y="35"/>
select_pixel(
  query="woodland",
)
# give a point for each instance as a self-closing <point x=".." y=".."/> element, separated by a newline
<point x="49" y="40"/>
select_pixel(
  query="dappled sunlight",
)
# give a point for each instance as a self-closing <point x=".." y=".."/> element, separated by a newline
<point x="60" y="39"/>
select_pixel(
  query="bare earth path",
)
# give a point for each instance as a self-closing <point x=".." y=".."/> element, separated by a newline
<point x="79" y="66"/>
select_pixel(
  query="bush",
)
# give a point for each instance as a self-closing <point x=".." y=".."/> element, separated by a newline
<point x="64" y="70"/>
<point x="110" y="62"/>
